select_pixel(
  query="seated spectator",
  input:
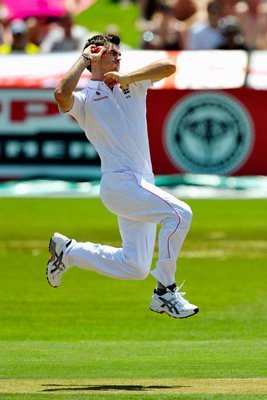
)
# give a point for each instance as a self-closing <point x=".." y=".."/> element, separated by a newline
<point x="232" y="33"/>
<point x="228" y="6"/>
<point x="147" y="8"/>
<point x="5" y="34"/>
<point x="206" y="35"/>
<point x="19" y="42"/>
<point x="163" y="31"/>
<point x="262" y="26"/>
<point x="67" y="37"/>
<point x="183" y="9"/>
<point x="38" y="29"/>
<point x="251" y="15"/>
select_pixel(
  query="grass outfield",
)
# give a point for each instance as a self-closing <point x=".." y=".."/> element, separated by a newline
<point x="95" y="337"/>
<point x="103" y="13"/>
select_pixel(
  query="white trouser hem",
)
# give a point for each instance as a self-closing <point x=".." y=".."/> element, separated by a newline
<point x="166" y="279"/>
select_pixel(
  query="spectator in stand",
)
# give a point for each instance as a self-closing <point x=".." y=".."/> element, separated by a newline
<point x="206" y="35"/>
<point x="19" y="42"/>
<point x="252" y="15"/>
<point x="38" y="29"/>
<point x="262" y="25"/>
<point x="147" y="8"/>
<point x="183" y="9"/>
<point x="67" y="37"/>
<point x="1" y="27"/>
<point x="232" y="33"/>
<point x="5" y="34"/>
<point x="163" y="31"/>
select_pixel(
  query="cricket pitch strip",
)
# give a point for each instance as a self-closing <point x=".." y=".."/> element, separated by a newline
<point x="149" y="386"/>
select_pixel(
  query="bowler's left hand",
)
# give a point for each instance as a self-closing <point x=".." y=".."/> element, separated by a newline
<point x="112" y="78"/>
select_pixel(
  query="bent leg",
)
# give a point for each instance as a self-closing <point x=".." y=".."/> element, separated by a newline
<point x="141" y="200"/>
<point x="171" y="238"/>
<point x="132" y="261"/>
<point x="140" y="205"/>
<point x="138" y="242"/>
<point x="175" y="217"/>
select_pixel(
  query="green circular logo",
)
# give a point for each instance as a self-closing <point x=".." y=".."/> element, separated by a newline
<point x="208" y="133"/>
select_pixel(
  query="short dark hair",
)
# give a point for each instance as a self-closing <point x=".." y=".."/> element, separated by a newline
<point x="102" y="40"/>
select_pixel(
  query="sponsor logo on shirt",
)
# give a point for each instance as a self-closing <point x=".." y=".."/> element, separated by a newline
<point x="126" y="92"/>
<point x="101" y="98"/>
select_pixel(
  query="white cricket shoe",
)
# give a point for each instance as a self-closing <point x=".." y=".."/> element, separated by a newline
<point x="172" y="303"/>
<point x="55" y="267"/>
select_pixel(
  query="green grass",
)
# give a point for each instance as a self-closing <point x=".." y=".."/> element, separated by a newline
<point x="106" y="12"/>
<point x="98" y="328"/>
<point x="134" y="397"/>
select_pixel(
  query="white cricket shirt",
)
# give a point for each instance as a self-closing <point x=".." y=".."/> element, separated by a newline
<point x="115" y="123"/>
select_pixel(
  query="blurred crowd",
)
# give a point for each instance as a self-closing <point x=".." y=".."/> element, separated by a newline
<point x="163" y="25"/>
<point x="34" y="35"/>
<point x="203" y="25"/>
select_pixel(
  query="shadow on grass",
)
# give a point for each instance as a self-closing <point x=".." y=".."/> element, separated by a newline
<point x="141" y="388"/>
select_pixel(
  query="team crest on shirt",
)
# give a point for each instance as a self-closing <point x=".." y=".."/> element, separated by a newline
<point x="126" y="92"/>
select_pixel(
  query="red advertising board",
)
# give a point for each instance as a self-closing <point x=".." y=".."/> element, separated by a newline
<point x="214" y="132"/>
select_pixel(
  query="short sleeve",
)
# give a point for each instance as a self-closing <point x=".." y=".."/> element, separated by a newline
<point x="77" y="110"/>
<point x="141" y="87"/>
<point x="146" y="84"/>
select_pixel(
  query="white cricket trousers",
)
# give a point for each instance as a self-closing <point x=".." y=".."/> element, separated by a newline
<point x="140" y="206"/>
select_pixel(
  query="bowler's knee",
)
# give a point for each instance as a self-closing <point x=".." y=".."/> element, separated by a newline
<point x="187" y="213"/>
<point x="182" y="215"/>
<point x="139" y="271"/>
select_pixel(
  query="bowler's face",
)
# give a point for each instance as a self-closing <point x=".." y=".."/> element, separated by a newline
<point x="111" y="58"/>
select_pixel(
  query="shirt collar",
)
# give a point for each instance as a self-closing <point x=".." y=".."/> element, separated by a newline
<point x="95" y="84"/>
<point x="100" y="85"/>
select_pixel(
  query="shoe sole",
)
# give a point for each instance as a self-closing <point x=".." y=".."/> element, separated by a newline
<point x="174" y="316"/>
<point x="52" y="251"/>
